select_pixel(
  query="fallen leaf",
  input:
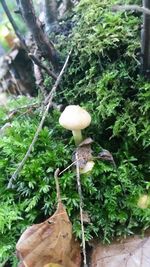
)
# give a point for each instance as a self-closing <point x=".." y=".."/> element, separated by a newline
<point x="84" y="152"/>
<point x="50" y="244"/>
<point x="52" y="265"/>
<point x="130" y="252"/>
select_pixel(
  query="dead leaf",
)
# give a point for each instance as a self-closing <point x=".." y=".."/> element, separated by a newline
<point x="52" y="265"/>
<point x="106" y="155"/>
<point x="84" y="152"/>
<point x="86" y="217"/>
<point x="87" y="141"/>
<point x="130" y="252"/>
<point x="50" y="242"/>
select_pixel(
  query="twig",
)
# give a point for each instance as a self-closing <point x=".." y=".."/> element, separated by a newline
<point x="41" y="39"/>
<point x="23" y="43"/>
<point x="132" y="8"/>
<point x="68" y="167"/>
<point x="81" y="209"/>
<point x="54" y="88"/>
<point x="56" y="174"/>
<point x="15" y="111"/>
<point x="42" y="66"/>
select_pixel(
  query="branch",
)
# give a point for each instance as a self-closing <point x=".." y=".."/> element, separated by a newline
<point x="14" y="25"/>
<point x="81" y="208"/>
<point x="145" y="41"/>
<point x="54" y="88"/>
<point x="17" y="110"/>
<point x="43" y="43"/>
<point x="65" y="6"/>
<point x="42" y="66"/>
<point x="131" y="8"/>
<point x="56" y="174"/>
<point x="23" y="43"/>
<point x="145" y="32"/>
<point x="50" y="8"/>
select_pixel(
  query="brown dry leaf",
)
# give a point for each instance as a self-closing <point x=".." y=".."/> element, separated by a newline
<point x="130" y="252"/>
<point x="52" y="265"/>
<point x="50" y="243"/>
<point x="106" y="155"/>
<point x="84" y="152"/>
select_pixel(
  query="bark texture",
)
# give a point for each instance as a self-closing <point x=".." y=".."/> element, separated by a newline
<point x="43" y="43"/>
<point x="65" y="6"/>
<point x="145" y="42"/>
<point x="50" y="7"/>
<point x="51" y="16"/>
<point x="68" y="4"/>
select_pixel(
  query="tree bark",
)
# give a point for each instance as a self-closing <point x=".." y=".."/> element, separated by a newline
<point x="145" y="42"/>
<point x="51" y="15"/>
<point x="65" y="6"/>
<point x="50" y="7"/>
<point x="68" y="4"/>
<point x="43" y="43"/>
<point x="15" y="27"/>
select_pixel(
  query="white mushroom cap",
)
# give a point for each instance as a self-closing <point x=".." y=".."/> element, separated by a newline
<point x="3" y="99"/>
<point x="74" y="118"/>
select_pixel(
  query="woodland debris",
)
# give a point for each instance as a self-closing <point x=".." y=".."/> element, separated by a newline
<point x="42" y="41"/>
<point x="107" y="156"/>
<point x="24" y="43"/>
<point x="49" y="99"/>
<point x="84" y="152"/>
<point x="130" y="252"/>
<point x="81" y="209"/>
<point x="16" y="72"/>
<point x="51" y="243"/>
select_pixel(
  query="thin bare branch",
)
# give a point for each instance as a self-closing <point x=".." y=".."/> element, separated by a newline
<point x="81" y="209"/>
<point x="43" y="43"/>
<point x="13" y="112"/>
<point x="56" y="174"/>
<point x="13" y="23"/>
<point x="54" y="88"/>
<point x="23" y="43"/>
<point x="131" y="8"/>
<point x="42" y="66"/>
<point x="145" y="41"/>
<point x="68" y="167"/>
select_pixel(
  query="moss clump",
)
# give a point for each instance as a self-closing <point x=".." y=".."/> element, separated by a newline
<point x="104" y="76"/>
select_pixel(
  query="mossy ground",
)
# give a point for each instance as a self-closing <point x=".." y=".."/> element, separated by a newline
<point x="103" y="76"/>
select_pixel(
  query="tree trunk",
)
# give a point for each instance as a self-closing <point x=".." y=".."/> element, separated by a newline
<point x="51" y="18"/>
<point x="146" y="41"/>
<point x="50" y="11"/>
<point x="44" y="45"/>
<point x="68" y="4"/>
<point x="65" y="6"/>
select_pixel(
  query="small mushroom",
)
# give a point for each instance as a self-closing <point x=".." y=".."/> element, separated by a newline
<point x="75" y="118"/>
<point x="3" y="100"/>
<point x="144" y="201"/>
<point x="88" y="167"/>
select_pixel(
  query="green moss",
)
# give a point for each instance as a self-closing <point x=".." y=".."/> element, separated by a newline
<point x="103" y="75"/>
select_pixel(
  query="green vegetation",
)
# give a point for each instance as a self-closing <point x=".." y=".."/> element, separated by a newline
<point x="104" y="77"/>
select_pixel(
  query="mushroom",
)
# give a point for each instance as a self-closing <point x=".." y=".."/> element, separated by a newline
<point x="3" y="100"/>
<point x="88" y="167"/>
<point x="144" y="201"/>
<point x="75" y="118"/>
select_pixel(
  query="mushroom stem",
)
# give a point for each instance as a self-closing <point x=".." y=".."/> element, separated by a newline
<point x="77" y="136"/>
